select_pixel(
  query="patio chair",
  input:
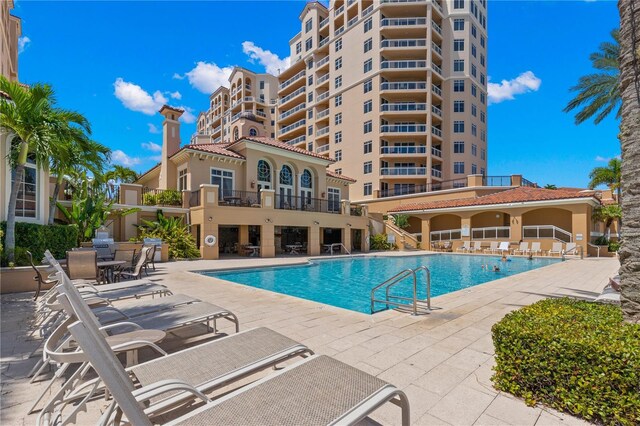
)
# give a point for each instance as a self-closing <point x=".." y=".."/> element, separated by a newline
<point x="522" y="249"/>
<point x="571" y="248"/>
<point x="493" y="246"/>
<point x="447" y="246"/>
<point x="317" y="390"/>
<point x="39" y="278"/>
<point x="465" y="247"/>
<point x="556" y="248"/>
<point x="503" y="247"/>
<point x="83" y="264"/>
<point x="136" y="273"/>
<point x="535" y="248"/>
<point x="128" y="255"/>
<point x="151" y="259"/>
<point x="477" y="247"/>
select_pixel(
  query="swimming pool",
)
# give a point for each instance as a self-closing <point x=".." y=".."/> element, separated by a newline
<point x="347" y="282"/>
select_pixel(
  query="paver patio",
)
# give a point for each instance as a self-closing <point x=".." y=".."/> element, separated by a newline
<point x="442" y="360"/>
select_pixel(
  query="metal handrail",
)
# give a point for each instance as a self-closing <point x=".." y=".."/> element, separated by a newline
<point x="339" y="245"/>
<point x="396" y="279"/>
<point x="597" y="247"/>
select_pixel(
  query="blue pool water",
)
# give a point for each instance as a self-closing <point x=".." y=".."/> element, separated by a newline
<point x="347" y="282"/>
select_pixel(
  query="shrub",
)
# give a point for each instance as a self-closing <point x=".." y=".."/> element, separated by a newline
<point x="168" y="197"/>
<point x="172" y="231"/>
<point x="614" y="246"/>
<point x="574" y="356"/>
<point x="379" y="242"/>
<point x="601" y="241"/>
<point x="38" y="238"/>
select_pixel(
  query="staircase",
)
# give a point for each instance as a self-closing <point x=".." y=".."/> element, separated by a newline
<point x="405" y="240"/>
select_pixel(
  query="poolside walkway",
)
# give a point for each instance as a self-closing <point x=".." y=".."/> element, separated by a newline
<point x="442" y="361"/>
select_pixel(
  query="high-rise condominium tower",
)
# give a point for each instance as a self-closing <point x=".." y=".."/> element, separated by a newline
<point x="394" y="90"/>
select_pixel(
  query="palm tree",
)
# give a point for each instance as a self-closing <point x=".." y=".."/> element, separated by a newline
<point x="609" y="175"/>
<point x="607" y="214"/>
<point x="630" y="141"/>
<point x="76" y="151"/>
<point x="599" y="93"/>
<point x="550" y="186"/>
<point x="32" y="123"/>
<point x="119" y="174"/>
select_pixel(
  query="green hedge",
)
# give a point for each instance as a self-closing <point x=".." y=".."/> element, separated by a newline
<point x="38" y="238"/>
<point x="167" y="197"/>
<point x="574" y="356"/>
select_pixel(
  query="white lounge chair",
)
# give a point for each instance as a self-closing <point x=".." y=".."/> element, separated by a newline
<point x="556" y="248"/>
<point x="522" y="249"/>
<point x="339" y="393"/>
<point x="571" y="248"/>
<point x="503" y="247"/>
<point x="477" y="247"/>
<point x="465" y="247"/>
<point x="535" y="248"/>
<point x="493" y="246"/>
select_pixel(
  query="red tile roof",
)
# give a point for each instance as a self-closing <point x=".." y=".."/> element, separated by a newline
<point x="169" y="107"/>
<point x="214" y="148"/>
<point x="337" y="176"/>
<point x="520" y="194"/>
<point x="277" y="144"/>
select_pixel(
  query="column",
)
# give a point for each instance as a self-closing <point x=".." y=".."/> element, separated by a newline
<point x="346" y="238"/>
<point x="426" y="234"/>
<point x="267" y="240"/>
<point x="313" y="245"/>
<point x="580" y="220"/>
<point x="516" y="226"/>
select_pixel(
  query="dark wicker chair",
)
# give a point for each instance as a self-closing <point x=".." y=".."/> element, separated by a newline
<point x="39" y="278"/>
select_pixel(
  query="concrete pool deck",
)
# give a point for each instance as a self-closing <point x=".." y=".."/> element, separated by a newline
<point x="442" y="360"/>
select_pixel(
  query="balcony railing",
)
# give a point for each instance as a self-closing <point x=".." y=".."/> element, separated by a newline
<point x="239" y="198"/>
<point x="436" y="131"/>
<point x="292" y="111"/>
<point x="436" y="68"/>
<point x="322" y="79"/>
<point x="445" y="235"/>
<point x="496" y="181"/>
<point x="194" y="198"/>
<point x="315" y="205"/>
<point x="408" y="106"/>
<point x="323" y="131"/>
<point x="436" y="48"/>
<point x="338" y="11"/>
<point x="322" y="61"/>
<point x="322" y="114"/>
<point x="436" y="27"/>
<point x="436" y="173"/>
<point x="491" y="232"/>
<point x="297" y="140"/>
<point x="403" y="128"/>
<point x="436" y="90"/>
<point x="321" y="149"/>
<point x="352" y="21"/>
<point x="436" y="152"/>
<point x="322" y="96"/>
<point x="403" y="85"/>
<point x="411" y="42"/>
<point x="367" y="11"/>
<point x="546" y="231"/>
<point x="292" y="80"/>
<point x="293" y="126"/>
<point x="403" y="64"/>
<point x="323" y="22"/>
<point x="292" y="95"/>
<point x="419" y="189"/>
<point x="437" y="111"/>
<point x="402" y="22"/>
<point x="338" y="31"/>
<point x="323" y="42"/>
<point x="403" y="150"/>
<point x="403" y="171"/>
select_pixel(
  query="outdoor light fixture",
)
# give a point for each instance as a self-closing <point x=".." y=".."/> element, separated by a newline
<point x="315" y="222"/>
<point x="210" y="218"/>
<point x="268" y="220"/>
<point x="323" y="194"/>
<point x="349" y="225"/>
<point x="253" y="184"/>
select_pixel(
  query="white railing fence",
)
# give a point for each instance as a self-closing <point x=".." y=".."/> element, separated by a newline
<point x="546" y="231"/>
<point x="445" y="235"/>
<point x="491" y="232"/>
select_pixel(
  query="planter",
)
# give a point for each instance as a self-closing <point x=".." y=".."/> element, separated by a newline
<point x="20" y="279"/>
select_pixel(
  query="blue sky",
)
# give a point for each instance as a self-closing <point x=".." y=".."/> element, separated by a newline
<point x="117" y="62"/>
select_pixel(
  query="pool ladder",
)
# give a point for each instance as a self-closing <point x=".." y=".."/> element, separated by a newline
<point x="415" y="305"/>
<point x="338" y="245"/>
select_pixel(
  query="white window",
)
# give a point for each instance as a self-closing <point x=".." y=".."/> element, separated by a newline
<point x="368" y="147"/>
<point x="474" y="169"/>
<point x="27" y="201"/>
<point x="338" y="100"/>
<point x="458" y="85"/>
<point x="338" y="82"/>
<point x="308" y="44"/>
<point x="368" y="86"/>
<point x="308" y="25"/>
<point x="458" y="65"/>
<point x="368" y="106"/>
<point x="368" y="65"/>
<point x="368" y="126"/>
<point x="474" y="149"/>
<point x="458" y="45"/>
<point x="368" y="45"/>
<point x="224" y="179"/>
<point x="264" y="175"/>
<point x="458" y="167"/>
<point x="458" y="4"/>
<point x="338" y="118"/>
<point x="368" y="188"/>
<point x="458" y="127"/>
<point x="182" y="179"/>
<point x="298" y="47"/>
<point x="458" y="106"/>
<point x="333" y="196"/>
<point x="337" y="138"/>
<point x="458" y="147"/>
<point x="368" y="24"/>
<point x="338" y="155"/>
<point x="338" y="63"/>
<point x="458" y="25"/>
<point x="338" y="45"/>
<point x="483" y="154"/>
<point x="368" y="167"/>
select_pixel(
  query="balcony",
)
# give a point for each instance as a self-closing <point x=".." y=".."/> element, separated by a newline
<point x="403" y="150"/>
<point x="402" y="65"/>
<point x="403" y="22"/>
<point x="437" y="111"/>
<point x="403" y="43"/>
<point x="321" y="149"/>
<point x="339" y="31"/>
<point x="261" y="114"/>
<point x="292" y="80"/>
<point x="436" y="27"/>
<point x="292" y="111"/>
<point x="352" y="21"/>
<point x="293" y="95"/>
<point x="235" y="198"/>
<point x="367" y="11"/>
<point x="435" y="89"/>
<point x="294" y="126"/>
<point x="322" y="96"/>
<point x="436" y="68"/>
<point x="322" y="62"/>
<point x="323" y="131"/>
<point x="436" y="131"/>
<point x="314" y="205"/>
<point x="323" y="42"/>
<point x="403" y="85"/>
<point x="436" y="152"/>
<point x="436" y="173"/>
<point x="403" y="171"/>
<point x="323" y="22"/>
<point x="297" y="140"/>
<point x="322" y="114"/>
<point x="403" y="107"/>
<point x="401" y="1"/>
<point x="322" y="79"/>
<point x="338" y="11"/>
<point x="403" y="128"/>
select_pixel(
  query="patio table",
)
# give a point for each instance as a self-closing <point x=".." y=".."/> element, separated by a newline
<point x="294" y="248"/>
<point x="255" y="250"/>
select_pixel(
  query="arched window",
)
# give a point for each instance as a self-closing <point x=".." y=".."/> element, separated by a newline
<point x="264" y="175"/>
<point x="236" y="134"/>
<point x="306" y="180"/>
<point x="253" y="132"/>
<point x="286" y="176"/>
<point x="306" y="190"/>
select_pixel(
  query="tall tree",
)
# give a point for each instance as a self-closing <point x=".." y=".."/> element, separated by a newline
<point x="30" y="120"/>
<point x="609" y="175"/>
<point x="117" y="175"/>
<point x="599" y="93"/>
<point x="630" y="140"/>
<point x="77" y="150"/>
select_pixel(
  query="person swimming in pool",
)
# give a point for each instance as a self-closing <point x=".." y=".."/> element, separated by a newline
<point x="496" y="268"/>
<point x="505" y="259"/>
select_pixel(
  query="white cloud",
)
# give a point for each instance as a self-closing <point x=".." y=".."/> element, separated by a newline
<point x="271" y="62"/>
<point x="153" y="128"/>
<point x="207" y="77"/>
<point x="135" y="98"/>
<point x="507" y="89"/>
<point x="187" y="116"/>
<point x="156" y="158"/>
<point x="601" y="159"/>
<point x="176" y="95"/>
<point x="23" y="43"/>
<point x="150" y="146"/>
<point x="119" y="157"/>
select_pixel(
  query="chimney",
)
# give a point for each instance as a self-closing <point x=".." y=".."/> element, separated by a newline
<point x="170" y="145"/>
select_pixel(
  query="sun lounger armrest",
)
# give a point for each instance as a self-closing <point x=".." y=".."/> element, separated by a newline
<point x="136" y="344"/>
<point x="388" y="393"/>
<point x="120" y="324"/>
<point x="153" y="390"/>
